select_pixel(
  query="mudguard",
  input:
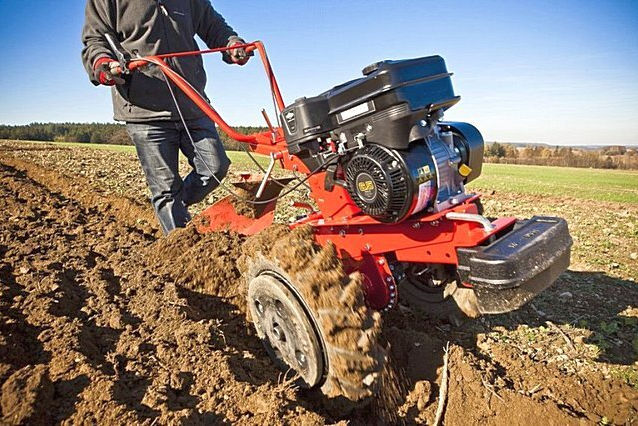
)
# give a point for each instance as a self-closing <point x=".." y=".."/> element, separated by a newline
<point x="511" y="270"/>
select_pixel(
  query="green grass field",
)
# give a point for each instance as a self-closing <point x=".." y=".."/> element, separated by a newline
<point x="586" y="184"/>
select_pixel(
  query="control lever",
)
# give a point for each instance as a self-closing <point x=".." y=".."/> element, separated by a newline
<point x="262" y="186"/>
<point x="273" y="132"/>
<point x="118" y="54"/>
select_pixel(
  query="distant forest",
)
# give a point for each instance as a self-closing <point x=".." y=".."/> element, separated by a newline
<point x="611" y="157"/>
<point x="93" y="133"/>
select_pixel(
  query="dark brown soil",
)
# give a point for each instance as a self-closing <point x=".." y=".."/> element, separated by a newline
<point x="27" y="395"/>
<point x="101" y="322"/>
<point x="242" y="202"/>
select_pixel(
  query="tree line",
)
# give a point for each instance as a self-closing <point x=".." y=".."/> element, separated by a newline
<point x="68" y="132"/>
<point x="100" y="133"/>
<point x="610" y="157"/>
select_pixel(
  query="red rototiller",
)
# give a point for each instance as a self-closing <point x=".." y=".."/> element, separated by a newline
<point x="387" y="177"/>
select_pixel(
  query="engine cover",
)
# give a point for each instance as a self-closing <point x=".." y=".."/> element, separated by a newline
<point x="391" y="185"/>
<point x="390" y="98"/>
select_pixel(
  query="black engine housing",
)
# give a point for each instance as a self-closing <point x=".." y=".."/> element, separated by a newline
<point x="385" y="104"/>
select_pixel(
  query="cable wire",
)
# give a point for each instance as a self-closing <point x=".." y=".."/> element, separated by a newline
<point x="195" y="150"/>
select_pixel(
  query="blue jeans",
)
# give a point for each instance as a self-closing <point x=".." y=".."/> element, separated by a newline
<point x="158" y="144"/>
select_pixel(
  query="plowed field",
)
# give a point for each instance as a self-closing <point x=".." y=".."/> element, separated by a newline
<point x="102" y="321"/>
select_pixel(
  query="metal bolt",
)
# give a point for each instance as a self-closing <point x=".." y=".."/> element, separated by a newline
<point x="434" y="223"/>
<point x="360" y="231"/>
<point x="389" y="279"/>
<point x="367" y="247"/>
<point x="279" y="334"/>
<point x="416" y="225"/>
<point x="392" y="287"/>
<point x="423" y="123"/>
<point x="301" y="359"/>
<point x="381" y="261"/>
<point x="392" y="267"/>
<point x="368" y="128"/>
<point x="342" y="233"/>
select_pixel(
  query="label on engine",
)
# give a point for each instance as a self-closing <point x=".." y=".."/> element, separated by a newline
<point x="426" y="193"/>
<point x="356" y="111"/>
<point x="366" y="188"/>
<point x="426" y="188"/>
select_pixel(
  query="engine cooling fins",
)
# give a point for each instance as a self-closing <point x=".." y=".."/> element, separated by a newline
<point x="377" y="181"/>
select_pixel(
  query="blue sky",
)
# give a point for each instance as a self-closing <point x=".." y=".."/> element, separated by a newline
<point x="560" y="72"/>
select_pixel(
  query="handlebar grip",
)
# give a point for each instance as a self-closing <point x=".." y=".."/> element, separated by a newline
<point x="133" y="65"/>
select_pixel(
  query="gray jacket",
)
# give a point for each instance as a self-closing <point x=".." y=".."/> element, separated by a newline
<point x="152" y="27"/>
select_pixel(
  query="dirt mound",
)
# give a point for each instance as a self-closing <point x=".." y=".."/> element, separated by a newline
<point x="27" y="396"/>
<point x="350" y="330"/>
<point x="200" y="262"/>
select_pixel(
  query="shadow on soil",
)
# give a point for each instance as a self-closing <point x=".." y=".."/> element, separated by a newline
<point x="22" y="348"/>
<point x="236" y="339"/>
<point x="590" y="301"/>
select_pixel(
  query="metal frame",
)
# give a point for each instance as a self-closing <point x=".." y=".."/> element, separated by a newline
<point x="364" y="244"/>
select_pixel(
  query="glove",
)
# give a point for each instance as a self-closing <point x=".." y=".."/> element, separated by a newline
<point x="108" y="71"/>
<point x="236" y="56"/>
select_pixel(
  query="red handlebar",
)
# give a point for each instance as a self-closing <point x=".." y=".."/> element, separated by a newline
<point x="258" y="138"/>
<point x="138" y="63"/>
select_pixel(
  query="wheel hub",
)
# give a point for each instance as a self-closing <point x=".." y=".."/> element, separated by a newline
<point x="423" y="289"/>
<point x="285" y="327"/>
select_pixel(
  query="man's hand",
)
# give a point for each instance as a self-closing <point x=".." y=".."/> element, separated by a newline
<point x="236" y="56"/>
<point x="108" y="71"/>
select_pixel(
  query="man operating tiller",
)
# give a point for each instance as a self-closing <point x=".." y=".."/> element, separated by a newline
<point x="143" y="100"/>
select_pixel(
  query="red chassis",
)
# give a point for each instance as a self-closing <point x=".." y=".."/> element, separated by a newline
<point x="372" y="247"/>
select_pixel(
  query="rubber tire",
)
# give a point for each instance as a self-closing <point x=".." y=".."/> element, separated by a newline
<point x="479" y="206"/>
<point x="349" y="330"/>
